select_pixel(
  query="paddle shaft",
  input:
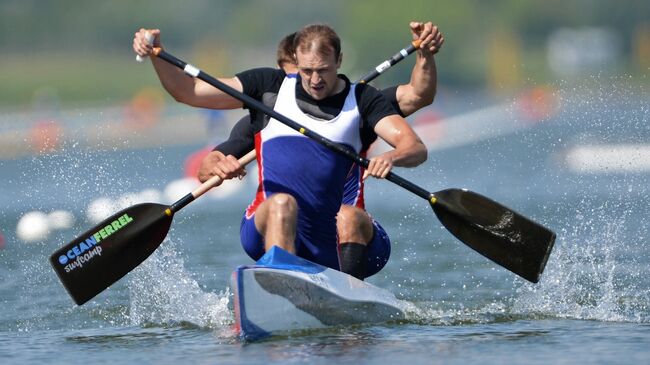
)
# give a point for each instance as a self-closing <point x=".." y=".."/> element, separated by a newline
<point x="209" y="184"/>
<point x="495" y="231"/>
<point x="101" y="256"/>
<point x="254" y="104"/>
<point x="403" y="53"/>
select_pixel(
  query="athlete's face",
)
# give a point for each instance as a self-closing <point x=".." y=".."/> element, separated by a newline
<point x="319" y="73"/>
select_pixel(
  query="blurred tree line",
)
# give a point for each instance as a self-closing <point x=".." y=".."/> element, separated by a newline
<point x="83" y="48"/>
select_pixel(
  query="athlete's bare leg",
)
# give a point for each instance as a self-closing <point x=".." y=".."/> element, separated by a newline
<point x="355" y="230"/>
<point x="353" y="225"/>
<point x="276" y="220"/>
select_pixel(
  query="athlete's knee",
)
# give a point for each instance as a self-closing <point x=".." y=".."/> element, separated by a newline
<point x="282" y="206"/>
<point x="353" y="225"/>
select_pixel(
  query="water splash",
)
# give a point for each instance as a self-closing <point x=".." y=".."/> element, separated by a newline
<point x="163" y="292"/>
<point x="594" y="274"/>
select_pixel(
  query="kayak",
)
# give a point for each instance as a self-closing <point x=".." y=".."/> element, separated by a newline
<point x="282" y="292"/>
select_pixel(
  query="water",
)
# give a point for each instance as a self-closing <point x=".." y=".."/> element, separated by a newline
<point x="592" y="303"/>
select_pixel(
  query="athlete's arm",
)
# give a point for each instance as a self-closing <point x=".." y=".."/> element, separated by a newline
<point x="222" y="160"/>
<point x="421" y="89"/>
<point x="409" y="151"/>
<point x="241" y="139"/>
<point x="185" y="89"/>
<point x="377" y="112"/>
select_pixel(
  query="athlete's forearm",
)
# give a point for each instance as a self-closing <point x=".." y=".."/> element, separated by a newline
<point x="193" y="91"/>
<point x="408" y="149"/>
<point x="410" y="154"/>
<point x="421" y="90"/>
<point x="424" y="78"/>
<point x="174" y="80"/>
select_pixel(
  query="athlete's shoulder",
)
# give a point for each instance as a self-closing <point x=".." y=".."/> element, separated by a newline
<point x="365" y="91"/>
<point x="373" y="104"/>
<point x="390" y="93"/>
<point x="258" y="80"/>
<point x="263" y="71"/>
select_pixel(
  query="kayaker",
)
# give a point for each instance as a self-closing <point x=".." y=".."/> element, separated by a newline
<point x="301" y="188"/>
<point x="360" y="236"/>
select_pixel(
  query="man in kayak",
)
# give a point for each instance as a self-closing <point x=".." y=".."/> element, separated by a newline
<point x="364" y="246"/>
<point x="301" y="182"/>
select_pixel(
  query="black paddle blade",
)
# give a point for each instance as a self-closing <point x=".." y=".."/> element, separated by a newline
<point x="104" y="254"/>
<point x="498" y="233"/>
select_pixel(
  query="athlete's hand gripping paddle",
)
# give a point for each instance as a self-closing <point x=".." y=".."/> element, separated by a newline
<point x="149" y="37"/>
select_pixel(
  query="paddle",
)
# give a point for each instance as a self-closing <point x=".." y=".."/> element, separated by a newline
<point x="105" y="253"/>
<point x="495" y="231"/>
<point x="390" y="62"/>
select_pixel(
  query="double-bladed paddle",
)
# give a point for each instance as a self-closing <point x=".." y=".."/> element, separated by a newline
<point x="495" y="231"/>
<point x="105" y="253"/>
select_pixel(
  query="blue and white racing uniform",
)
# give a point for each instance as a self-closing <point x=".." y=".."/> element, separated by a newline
<point x="291" y="163"/>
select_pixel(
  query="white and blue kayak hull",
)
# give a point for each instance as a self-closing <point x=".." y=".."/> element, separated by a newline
<point x="282" y="292"/>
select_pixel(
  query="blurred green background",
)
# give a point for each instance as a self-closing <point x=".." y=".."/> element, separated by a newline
<point x="79" y="52"/>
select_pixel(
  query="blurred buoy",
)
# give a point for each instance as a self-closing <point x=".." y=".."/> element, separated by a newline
<point x="127" y="200"/>
<point x="538" y="104"/>
<point x="46" y="136"/>
<point x="2" y="241"/>
<point x="33" y="227"/>
<point x="60" y="219"/>
<point x="150" y="196"/>
<point x="193" y="162"/>
<point x="179" y="188"/>
<point x="227" y="188"/>
<point x="145" y="109"/>
<point x="99" y="209"/>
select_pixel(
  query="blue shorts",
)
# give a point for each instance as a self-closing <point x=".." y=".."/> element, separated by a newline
<point x="378" y="250"/>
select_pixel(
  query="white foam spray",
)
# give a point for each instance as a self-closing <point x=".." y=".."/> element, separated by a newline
<point x="591" y="275"/>
<point x="163" y="292"/>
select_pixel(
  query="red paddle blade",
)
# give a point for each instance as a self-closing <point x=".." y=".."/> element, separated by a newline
<point x="104" y="254"/>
